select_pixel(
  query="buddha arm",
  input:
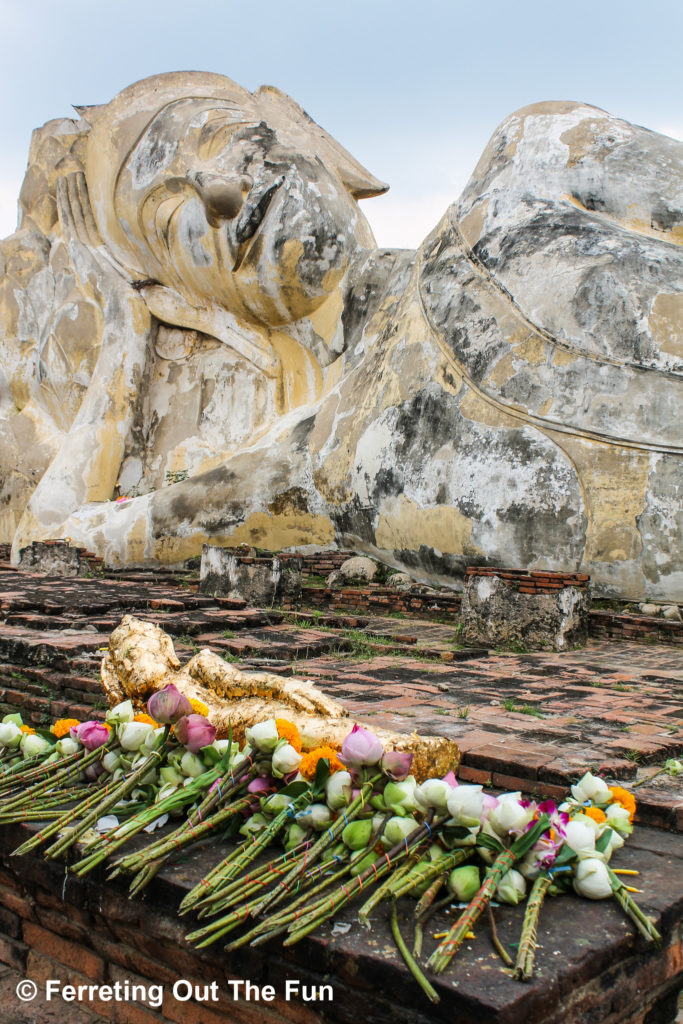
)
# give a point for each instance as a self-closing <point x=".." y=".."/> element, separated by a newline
<point x="86" y="467"/>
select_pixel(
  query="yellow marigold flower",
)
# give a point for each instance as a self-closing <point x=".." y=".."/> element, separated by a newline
<point x="626" y="799"/>
<point x="62" y="726"/>
<point x="27" y="730"/>
<point x="595" y="813"/>
<point x="146" y="719"/>
<point x="288" y="731"/>
<point x="199" y="707"/>
<point x="309" y="762"/>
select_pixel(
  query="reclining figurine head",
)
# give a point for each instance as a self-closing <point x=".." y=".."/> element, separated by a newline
<point x="226" y="196"/>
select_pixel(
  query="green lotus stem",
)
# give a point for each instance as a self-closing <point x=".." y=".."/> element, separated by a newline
<point x="119" y="792"/>
<point x="424" y="875"/>
<point x="247" y="852"/>
<point x="449" y="946"/>
<point x="526" y="952"/>
<point x="80" y="762"/>
<point x="430" y="894"/>
<point x="23" y="769"/>
<point x="237" y="891"/>
<point x="386" y="889"/>
<point x="207" y="899"/>
<point x="196" y="825"/>
<point x="275" y="922"/>
<point x="495" y="941"/>
<point x="53" y="829"/>
<point x="412" y="966"/>
<point x="102" y="847"/>
<point x="326" y="907"/>
<point x="184" y="835"/>
<point x="323" y="843"/>
<point x="423" y="907"/>
<point x="643" y="923"/>
<point x="150" y="867"/>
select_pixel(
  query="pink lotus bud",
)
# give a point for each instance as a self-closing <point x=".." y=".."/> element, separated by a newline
<point x="93" y="771"/>
<point x="450" y="778"/>
<point x="361" y="747"/>
<point x="195" y="732"/>
<point x="91" y="734"/>
<point x="396" y="764"/>
<point x="167" y="706"/>
<point x="261" y="784"/>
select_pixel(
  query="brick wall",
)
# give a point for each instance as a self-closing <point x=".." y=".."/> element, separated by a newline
<point x="378" y="600"/>
<point x="42" y="695"/>
<point x="645" y="628"/>
<point x="532" y="581"/>
<point x="86" y="932"/>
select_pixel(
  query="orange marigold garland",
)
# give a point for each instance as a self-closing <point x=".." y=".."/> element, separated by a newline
<point x="595" y="813"/>
<point x="626" y="799"/>
<point x="63" y="725"/>
<point x="198" y="706"/>
<point x="27" y="730"/>
<point x="146" y="719"/>
<point x="286" y="730"/>
<point x="309" y="762"/>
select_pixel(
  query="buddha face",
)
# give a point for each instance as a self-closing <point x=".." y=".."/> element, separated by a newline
<point x="243" y="214"/>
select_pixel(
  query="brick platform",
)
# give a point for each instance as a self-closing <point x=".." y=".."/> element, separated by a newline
<point x="591" y="966"/>
<point x="533" y="722"/>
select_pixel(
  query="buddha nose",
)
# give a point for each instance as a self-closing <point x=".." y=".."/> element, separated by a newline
<point x="222" y="197"/>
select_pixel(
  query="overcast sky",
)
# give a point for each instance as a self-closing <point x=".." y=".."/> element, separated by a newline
<point x="413" y="89"/>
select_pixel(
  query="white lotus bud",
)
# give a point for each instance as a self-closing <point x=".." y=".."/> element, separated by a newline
<point x="580" y="837"/>
<point x="591" y="879"/>
<point x="433" y="793"/>
<point x="66" y="746"/>
<point x="32" y="744"/>
<point x="285" y="760"/>
<point x="465" y="804"/>
<point x="132" y="735"/>
<point x="263" y="736"/>
<point x="10" y="735"/>
<point x="592" y="788"/>
<point x="338" y="790"/>
<point x="191" y="765"/>
<point x="511" y="888"/>
<point x="122" y="713"/>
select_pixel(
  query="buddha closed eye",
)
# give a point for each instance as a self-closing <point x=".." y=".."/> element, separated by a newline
<point x="266" y="232"/>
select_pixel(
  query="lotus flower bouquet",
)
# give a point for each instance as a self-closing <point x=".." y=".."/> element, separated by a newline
<point x="350" y="824"/>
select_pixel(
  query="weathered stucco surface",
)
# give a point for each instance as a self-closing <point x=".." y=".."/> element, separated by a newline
<point x="195" y="317"/>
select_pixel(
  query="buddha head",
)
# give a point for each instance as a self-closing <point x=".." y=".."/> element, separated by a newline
<point x="226" y="196"/>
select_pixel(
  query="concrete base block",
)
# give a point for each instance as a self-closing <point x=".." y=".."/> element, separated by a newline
<point x="494" y="613"/>
<point x="261" y="582"/>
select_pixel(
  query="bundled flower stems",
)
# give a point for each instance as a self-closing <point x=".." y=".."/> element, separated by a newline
<point x="299" y="836"/>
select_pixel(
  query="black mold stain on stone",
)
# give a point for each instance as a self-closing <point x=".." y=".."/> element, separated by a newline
<point x="354" y="521"/>
<point x="295" y="499"/>
<point x="427" y="559"/>
<point x="302" y="431"/>
<point x="665" y="219"/>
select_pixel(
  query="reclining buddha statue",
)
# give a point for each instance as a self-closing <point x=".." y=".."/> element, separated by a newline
<point x="203" y="343"/>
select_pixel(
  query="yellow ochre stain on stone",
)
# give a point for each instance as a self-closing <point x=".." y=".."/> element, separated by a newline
<point x="325" y="318"/>
<point x="404" y="525"/>
<point x="614" y="483"/>
<point x="285" y="530"/>
<point x="666" y="322"/>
